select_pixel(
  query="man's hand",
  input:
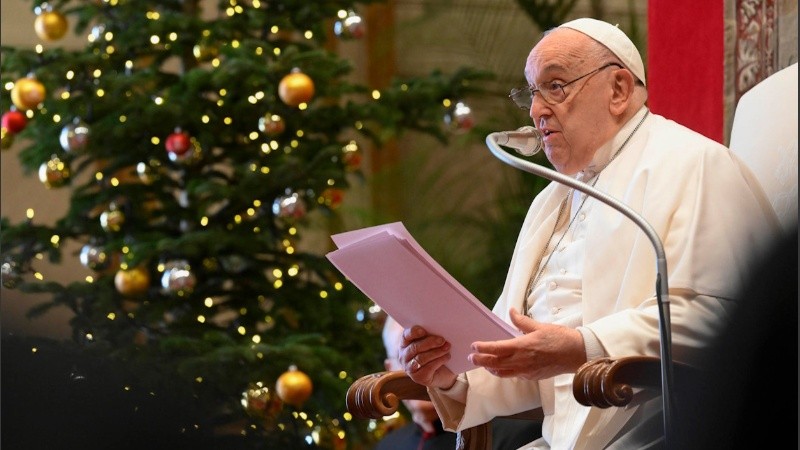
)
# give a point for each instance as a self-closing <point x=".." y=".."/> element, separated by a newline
<point x="423" y="357"/>
<point x="543" y="351"/>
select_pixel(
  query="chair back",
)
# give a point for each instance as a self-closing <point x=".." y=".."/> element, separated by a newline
<point x="764" y="136"/>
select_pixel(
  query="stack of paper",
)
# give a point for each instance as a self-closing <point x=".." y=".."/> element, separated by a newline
<point x="392" y="269"/>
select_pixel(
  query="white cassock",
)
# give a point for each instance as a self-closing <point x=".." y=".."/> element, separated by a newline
<point x="711" y="217"/>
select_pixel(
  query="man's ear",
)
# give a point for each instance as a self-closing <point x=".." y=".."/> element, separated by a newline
<point x="387" y="364"/>
<point x="622" y="94"/>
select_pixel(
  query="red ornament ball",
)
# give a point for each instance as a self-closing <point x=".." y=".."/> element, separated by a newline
<point x="351" y="155"/>
<point x="178" y="142"/>
<point x="332" y="197"/>
<point x="14" y="121"/>
<point x="271" y="124"/>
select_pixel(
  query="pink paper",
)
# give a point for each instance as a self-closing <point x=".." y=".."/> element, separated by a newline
<point x="392" y="269"/>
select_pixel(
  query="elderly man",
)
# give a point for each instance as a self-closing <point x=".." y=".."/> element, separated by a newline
<point x="580" y="283"/>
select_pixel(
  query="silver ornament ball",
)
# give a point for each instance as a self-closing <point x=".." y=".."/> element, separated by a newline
<point x="10" y="274"/>
<point x="75" y="136"/>
<point x="349" y="26"/>
<point x="94" y="257"/>
<point x="459" y="118"/>
<point x="289" y="206"/>
<point x="178" y="278"/>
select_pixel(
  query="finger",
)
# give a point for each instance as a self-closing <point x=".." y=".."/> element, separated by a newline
<point x="495" y="354"/>
<point x="523" y="323"/>
<point x="489" y="348"/>
<point x="428" y="343"/>
<point x="412" y="334"/>
<point x="486" y="361"/>
<point x="432" y="365"/>
<point x="502" y="373"/>
<point x="414" y="365"/>
<point x="502" y="368"/>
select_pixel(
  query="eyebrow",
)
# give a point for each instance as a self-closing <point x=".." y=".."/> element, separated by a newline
<point x="551" y="67"/>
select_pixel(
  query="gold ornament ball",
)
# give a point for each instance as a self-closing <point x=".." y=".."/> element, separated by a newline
<point x="296" y="88"/>
<point x="294" y="387"/>
<point x="132" y="282"/>
<point x="261" y="403"/>
<point x="112" y="220"/>
<point x="150" y="171"/>
<point x="54" y="173"/>
<point x="27" y="93"/>
<point x="6" y="139"/>
<point x="50" y="25"/>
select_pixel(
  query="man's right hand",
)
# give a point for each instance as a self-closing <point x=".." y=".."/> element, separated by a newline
<point x="424" y="356"/>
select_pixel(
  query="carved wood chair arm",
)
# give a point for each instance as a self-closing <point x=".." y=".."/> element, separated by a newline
<point x="607" y="382"/>
<point x="379" y="394"/>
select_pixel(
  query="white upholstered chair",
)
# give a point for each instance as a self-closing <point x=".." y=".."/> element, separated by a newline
<point x="764" y="135"/>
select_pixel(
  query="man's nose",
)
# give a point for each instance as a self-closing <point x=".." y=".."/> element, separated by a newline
<point x="539" y="108"/>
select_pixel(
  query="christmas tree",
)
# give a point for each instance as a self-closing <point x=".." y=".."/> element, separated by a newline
<point x="198" y="141"/>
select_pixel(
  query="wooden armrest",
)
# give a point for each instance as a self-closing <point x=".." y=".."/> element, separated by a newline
<point x="377" y="395"/>
<point x="607" y="382"/>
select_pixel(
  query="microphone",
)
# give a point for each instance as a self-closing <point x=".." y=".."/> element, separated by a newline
<point x="524" y="139"/>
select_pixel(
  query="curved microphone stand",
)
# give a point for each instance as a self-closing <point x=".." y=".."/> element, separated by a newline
<point x="662" y="288"/>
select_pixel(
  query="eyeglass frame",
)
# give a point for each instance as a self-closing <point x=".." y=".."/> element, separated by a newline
<point x="516" y="91"/>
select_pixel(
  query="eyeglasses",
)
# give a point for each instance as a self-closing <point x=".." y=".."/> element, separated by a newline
<point x="552" y="92"/>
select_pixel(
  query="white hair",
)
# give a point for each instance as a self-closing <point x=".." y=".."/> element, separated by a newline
<point x="392" y="335"/>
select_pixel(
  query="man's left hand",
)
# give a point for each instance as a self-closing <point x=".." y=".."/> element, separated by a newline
<point x="543" y="351"/>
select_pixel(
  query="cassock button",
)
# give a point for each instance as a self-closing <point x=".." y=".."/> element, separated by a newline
<point x="553" y="285"/>
<point x="563" y="271"/>
<point x="583" y="217"/>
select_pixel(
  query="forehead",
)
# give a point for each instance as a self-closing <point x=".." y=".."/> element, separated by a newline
<point x="560" y="52"/>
